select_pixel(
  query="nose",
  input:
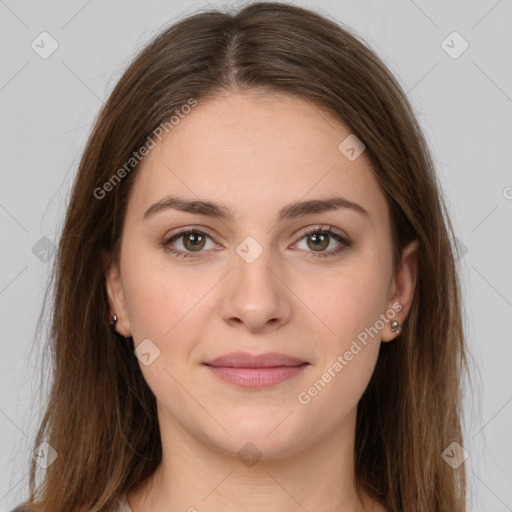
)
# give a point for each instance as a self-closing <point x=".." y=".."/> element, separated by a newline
<point x="255" y="295"/>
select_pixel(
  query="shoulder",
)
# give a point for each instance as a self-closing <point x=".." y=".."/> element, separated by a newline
<point x="121" y="506"/>
<point x="370" y="504"/>
<point x="378" y="507"/>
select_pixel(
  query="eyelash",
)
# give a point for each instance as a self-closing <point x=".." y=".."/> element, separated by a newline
<point x="345" y="243"/>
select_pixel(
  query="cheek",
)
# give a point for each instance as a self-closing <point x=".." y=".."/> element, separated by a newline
<point x="348" y="305"/>
<point x="346" y="302"/>
<point x="151" y="306"/>
<point x="347" y="349"/>
<point x="165" y="304"/>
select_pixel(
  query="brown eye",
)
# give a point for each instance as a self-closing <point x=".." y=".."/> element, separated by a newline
<point x="191" y="240"/>
<point x="319" y="241"/>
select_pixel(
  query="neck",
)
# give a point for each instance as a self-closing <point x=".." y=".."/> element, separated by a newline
<point x="195" y="476"/>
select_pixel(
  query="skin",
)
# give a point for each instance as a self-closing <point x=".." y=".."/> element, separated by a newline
<point x="256" y="153"/>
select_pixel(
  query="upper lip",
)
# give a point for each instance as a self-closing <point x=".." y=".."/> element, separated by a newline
<point x="246" y="360"/>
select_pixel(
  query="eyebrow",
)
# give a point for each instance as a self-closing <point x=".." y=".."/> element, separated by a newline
<point x="220" y="211"/>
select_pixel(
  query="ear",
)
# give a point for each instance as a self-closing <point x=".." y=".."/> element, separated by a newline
<point x="402" y="288"/>
<point x="115" y="294"/>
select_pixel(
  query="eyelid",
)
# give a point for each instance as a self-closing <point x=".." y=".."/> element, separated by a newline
<point x="186" y="229"/>
<point x="299" y="235"/>
<point x="323" y="228"/>
<point x="344" y="240"/>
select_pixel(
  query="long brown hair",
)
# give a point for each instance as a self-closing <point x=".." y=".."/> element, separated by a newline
<point x="100" y="416"/>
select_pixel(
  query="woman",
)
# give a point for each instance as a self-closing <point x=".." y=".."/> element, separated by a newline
<point x="256" y="302"/>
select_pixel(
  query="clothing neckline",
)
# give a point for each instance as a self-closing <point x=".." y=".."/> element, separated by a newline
<point x="123" y="504"/>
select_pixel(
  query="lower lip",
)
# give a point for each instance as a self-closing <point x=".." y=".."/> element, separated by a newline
<point x="256" y="377"/>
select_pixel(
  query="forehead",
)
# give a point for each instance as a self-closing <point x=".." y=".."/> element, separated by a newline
<point x="256" y="153"/>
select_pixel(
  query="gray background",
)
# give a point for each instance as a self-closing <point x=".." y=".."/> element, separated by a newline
<point x="464" y="105"/>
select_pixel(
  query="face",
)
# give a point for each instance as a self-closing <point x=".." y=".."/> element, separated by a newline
<point x="314" y="283"/>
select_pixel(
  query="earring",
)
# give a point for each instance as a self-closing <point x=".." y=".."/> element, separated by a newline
<point x="114" y="319"/>
<point x="396" y="327"/>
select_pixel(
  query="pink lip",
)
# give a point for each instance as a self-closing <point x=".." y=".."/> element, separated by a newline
<point x="255" y="371"/>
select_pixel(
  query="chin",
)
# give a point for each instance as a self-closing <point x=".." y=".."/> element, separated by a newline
<point x="258" y="439"/>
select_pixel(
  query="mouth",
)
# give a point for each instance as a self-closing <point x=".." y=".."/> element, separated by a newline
<point x="256" y="371"/>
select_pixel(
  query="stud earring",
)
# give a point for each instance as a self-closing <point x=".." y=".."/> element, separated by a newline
<point x="396" y="327"/>
<point x="114" y="319"/>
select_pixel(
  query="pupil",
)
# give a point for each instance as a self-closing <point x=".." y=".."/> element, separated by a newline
<point x="319" y="240"/>
<point x="193" y="239"/>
